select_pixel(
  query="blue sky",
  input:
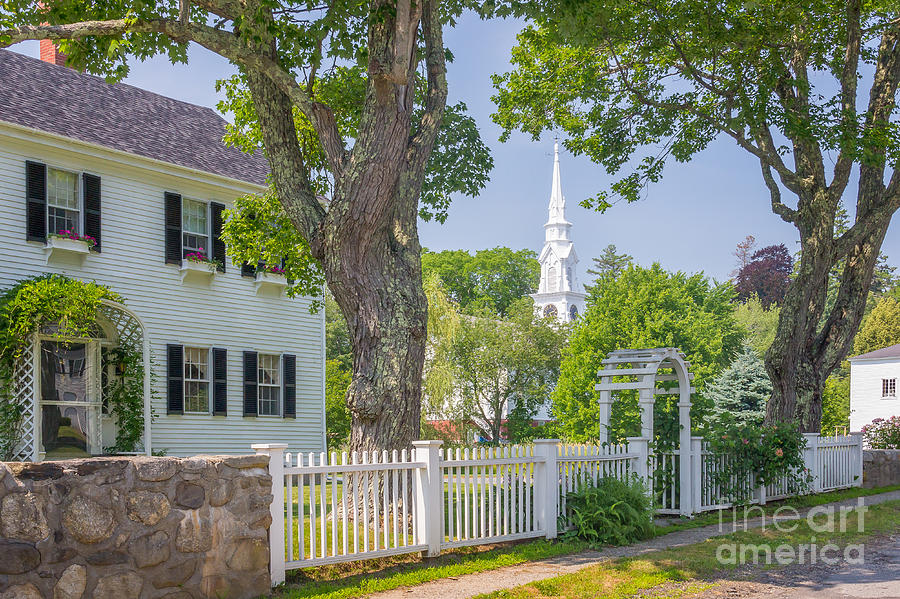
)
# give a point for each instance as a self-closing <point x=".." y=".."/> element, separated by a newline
<point x="690" y="221"/>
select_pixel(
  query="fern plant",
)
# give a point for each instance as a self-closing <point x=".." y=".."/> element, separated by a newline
<point x="609" y="511"/>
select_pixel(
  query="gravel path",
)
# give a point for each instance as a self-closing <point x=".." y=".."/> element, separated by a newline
<point x="470" y="585"/>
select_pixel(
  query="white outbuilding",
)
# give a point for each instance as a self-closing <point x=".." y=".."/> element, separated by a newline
<point x="873" y="386"/>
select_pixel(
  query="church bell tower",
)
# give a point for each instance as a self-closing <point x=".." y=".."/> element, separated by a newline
<point x="559" y="294"/>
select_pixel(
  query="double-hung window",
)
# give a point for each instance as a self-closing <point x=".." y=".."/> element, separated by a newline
<point x="889" y="388"/>
<point x="269" y="381"/>
<point x="63" y="206"/>
<point x="196" y="380"/>
<point x="195" y="227"/>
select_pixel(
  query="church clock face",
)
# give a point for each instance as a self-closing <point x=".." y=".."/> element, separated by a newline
<point x="550" y="311"/>
<point x="573" y="312"/>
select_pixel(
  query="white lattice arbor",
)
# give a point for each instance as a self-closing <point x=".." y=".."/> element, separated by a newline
<point x="650" y="372"/>
<point x="121" y="326"/>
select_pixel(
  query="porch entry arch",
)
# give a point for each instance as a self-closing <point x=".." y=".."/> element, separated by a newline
<point x="645" y="370"/>
<point x="116" y="325"/>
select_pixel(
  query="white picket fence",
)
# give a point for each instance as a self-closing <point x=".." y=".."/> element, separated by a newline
<point x="338" y="508"/>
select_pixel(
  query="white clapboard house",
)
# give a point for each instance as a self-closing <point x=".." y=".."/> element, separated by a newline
<point x="233" y="360"/>
<point x="873" y="386"/>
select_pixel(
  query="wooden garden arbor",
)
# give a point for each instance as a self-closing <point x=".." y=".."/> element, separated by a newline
<point x="645" y="370"/>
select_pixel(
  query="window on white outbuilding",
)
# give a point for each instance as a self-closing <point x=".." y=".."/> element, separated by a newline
<point x="269" y="388"/>
<point x="889" y="387"/>
<point x="196" y="380"/>
<point x="195" y="227"/>
<point x="63" y="206"/>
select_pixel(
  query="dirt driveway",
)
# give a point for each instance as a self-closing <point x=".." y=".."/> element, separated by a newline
<point x="877" y="578"/>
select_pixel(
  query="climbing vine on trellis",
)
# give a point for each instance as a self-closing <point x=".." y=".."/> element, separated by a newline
<point x="63" y="308"/>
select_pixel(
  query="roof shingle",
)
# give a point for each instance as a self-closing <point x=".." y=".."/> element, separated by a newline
<point x="892" y="351"/>
<point x="59" y="100"/>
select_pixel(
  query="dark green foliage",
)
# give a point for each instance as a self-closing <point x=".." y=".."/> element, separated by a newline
<point x="642" y="308"/>
<point x="490" y="281"/>
<point x="609" y="512"/>
<point x="739" y="394"/>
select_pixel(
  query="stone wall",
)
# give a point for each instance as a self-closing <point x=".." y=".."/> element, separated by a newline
<point x="881" y="468"/>
<point x="129" y="528"/>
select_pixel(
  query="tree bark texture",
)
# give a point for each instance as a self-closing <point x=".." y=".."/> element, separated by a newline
<point x="812" y="339"/>
<point x="367" y="240"/>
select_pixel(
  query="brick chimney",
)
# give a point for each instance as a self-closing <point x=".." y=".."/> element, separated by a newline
<point x="50" y="53"/>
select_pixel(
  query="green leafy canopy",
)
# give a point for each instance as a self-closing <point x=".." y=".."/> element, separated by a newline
<point x="641" y="308"/>
<point x="634" y="84"/>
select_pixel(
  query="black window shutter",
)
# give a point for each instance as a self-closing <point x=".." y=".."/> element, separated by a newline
<point x="220" y="381"/>
<point x="289" y="382"/>
<point x="248" y="270"/>
<point x="173" y="228"/>
<point x="91" y="186"/>
<point x="175" y="368"/>
<point x="218" y="245"/>
<point x="251" y="374"/>
<point x="35" y="201"/>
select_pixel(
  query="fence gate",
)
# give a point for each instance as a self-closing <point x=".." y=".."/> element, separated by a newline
<point x="653" y="372"/>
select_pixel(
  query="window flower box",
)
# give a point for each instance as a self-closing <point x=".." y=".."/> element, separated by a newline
<point x="271" y="281"/>
<point x="68" y="245"/>
<point x="197" y="268"/>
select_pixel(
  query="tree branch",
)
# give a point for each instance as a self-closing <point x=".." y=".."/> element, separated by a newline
<point x="436" y="95"/>
<point x="873" y="201"/>
<point x="786" y="213"/>
<point x="289" y="172"/>
<point x="849" y="84"/>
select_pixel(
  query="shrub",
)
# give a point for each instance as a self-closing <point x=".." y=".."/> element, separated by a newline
<point x="755" y="455"/>
<point x="610" y="512"/>
<point x="882" y="433"/>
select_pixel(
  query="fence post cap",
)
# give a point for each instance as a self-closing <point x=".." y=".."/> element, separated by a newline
<point x="268" y="446"/>
<point x="428" y="443"/>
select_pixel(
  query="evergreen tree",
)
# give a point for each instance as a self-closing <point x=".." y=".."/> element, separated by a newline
<point x="740" y="393"/>
<point x="610" y="262"/>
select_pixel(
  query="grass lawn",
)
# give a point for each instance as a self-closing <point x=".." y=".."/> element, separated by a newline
<point x="694" y="566"/>
<point x="803" y="502"/>
<point x="357" y="579"/>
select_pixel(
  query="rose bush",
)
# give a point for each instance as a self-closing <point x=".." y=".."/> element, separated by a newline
<point x="882" y="433"/>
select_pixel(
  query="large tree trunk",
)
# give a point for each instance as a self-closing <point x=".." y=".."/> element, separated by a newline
<point x="367" y="240"/>
<point x="810" y="342"/>
<point x="379" y="290"/>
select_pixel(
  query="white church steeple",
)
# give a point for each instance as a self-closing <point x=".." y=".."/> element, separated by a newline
<point x="559" y="294"/>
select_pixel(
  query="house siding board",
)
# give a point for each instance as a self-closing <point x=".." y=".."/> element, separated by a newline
<point x="132" y="265"/>
<point x="866" y="402"/>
